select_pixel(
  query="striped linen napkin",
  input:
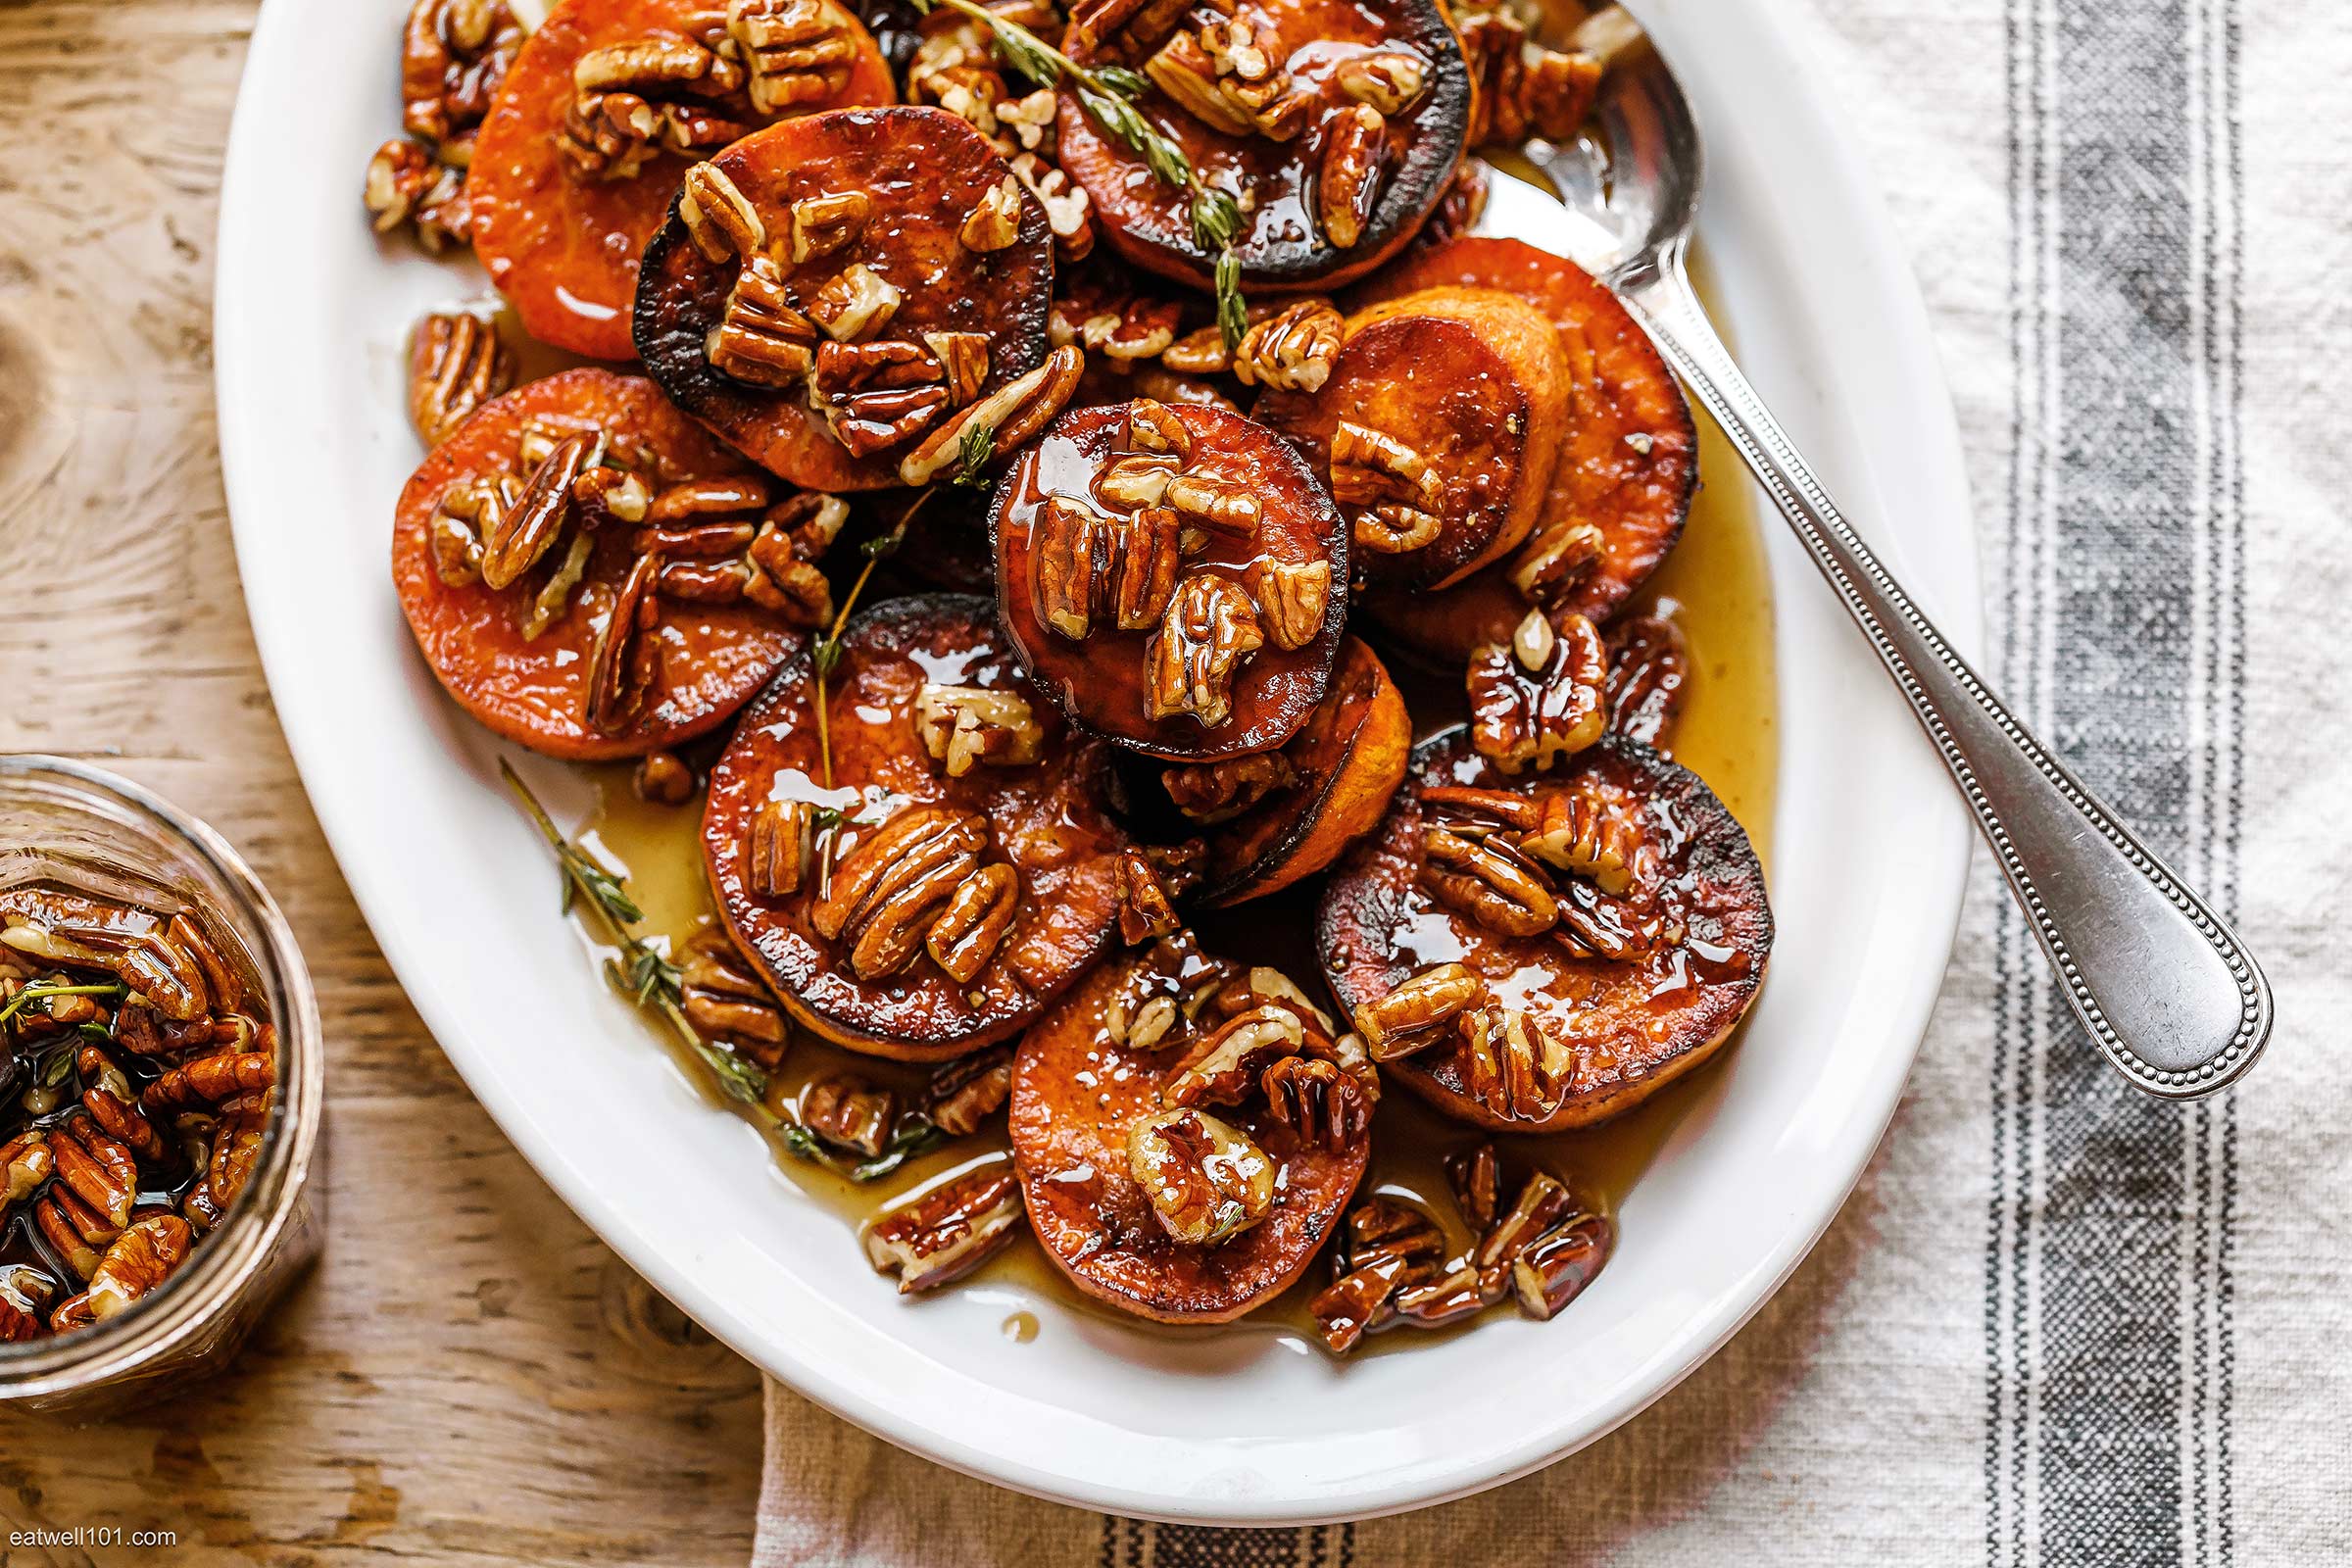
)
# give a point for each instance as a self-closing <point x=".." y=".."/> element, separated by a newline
<point x="2056" y="1322"/>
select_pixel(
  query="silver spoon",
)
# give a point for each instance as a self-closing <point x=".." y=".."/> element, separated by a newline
<point x="2172" y="997"/>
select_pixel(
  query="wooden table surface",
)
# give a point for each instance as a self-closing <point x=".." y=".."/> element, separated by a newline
<point x="469" y="1377"/>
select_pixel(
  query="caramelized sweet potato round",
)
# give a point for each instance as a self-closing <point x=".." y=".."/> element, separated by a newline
<point x="604" y="107"/>
<point x="1343" y="122"/>
<point x="1275" y="817"/>
<point x="894" y="290"/>
<point x="1437" y="428"/>
<point x="1628" y="464"/>
<point x="1174" y="574"/>
<point x="960" y="870"/>
<point x="1541" y="952"/>
<point x="1077" y="1095"/>
<point x="544" y="660"/>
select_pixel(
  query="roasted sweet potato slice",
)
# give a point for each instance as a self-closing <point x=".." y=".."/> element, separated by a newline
<point x="604" y="107"/>
<point x="1345" y="122"/>
<point x="860" y="290"/>
<point x="1269" y="819"/>
<point x="1174" y="574"/>
<point x="1630" y="461"/>
<point x="1437" y="428"/>
<point x="1541" y="952"/>
<point x="959" y="870"/>
<point x="534" y="492"/>
<point x="1088" y="1080"/>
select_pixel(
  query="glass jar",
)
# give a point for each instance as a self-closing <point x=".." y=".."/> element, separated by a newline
<point x="62" y="822"/>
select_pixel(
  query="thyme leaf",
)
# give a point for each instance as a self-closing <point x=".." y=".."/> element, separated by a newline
<point x="40" y="991"/>
<point x="916" y="1135"/>
<point x="972" y="457"/>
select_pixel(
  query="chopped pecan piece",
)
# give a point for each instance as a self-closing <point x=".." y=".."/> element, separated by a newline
<point x="1390" y="81"/>
<point x="1215" y="502"/>
<point x="1415" y="1015"/>
<point x="1145" y="911"/>
<point x="1184" y="70"/>
<point x="455" y="364"/>
<point x="761" y="340"/>
<point x="24" y="1291"/>
<point x="791" y="538"/>
<point x="850" y="1112"/>
<point x="1522" y="716"/>
<point x="1348" y="177"/>
<point x="973" y="925"/>
<point x="1292" y="600"/>
<point x="26" y="1163"/>
<point x="1387" y="1246"/>
<point x="794" y="51"/>
<point x="855" y="302"/>
<point x="1154" y="427"/>
<point x="649" y="95"/>
<point x="1068" y="212"/>
<point x="949" y="1230"/>
<point x="1205" y="1179"/>
<point x="452" y="54"/>
<point x="1210" y="792"/>
<point x="1135" y="479"/>
<point x="823" y="224"/>
<point x="1542" y="1200"/>
<point x="1475" y="1177"/>
<point x="963" y="363"/>
<point x="663" y="778"/>
<point x="1236" y="1055"/>
<point x="1520" y="90"/>
<point x="995" y="222"/>
<point x="960" y="725"/>
<point x="1292" y="350"/>
<point x="967" y="1091"/>
<point x="1211" y="627"/>
<point x="1555" y="558"/>
<point x="1440" y="1301"/>
<point x="406" y="183"/>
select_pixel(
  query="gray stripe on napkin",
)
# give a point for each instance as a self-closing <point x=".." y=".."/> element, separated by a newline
<point x="2107" y="1327"/>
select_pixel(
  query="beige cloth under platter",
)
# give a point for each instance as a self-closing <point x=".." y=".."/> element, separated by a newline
<point x="2054" y="1323"/>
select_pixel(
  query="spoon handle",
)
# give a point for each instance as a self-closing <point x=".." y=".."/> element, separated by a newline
<point x="2172" y="997"/>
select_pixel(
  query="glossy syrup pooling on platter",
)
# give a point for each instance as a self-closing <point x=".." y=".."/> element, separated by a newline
<point x="1716" y="588"/>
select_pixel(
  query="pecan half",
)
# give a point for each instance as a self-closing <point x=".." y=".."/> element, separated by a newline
<point x="1236" y="1055"/>
<point x="762" y="339"/>
<point x="1389" y="492"/>
<point x="718" y="216"/>
<point x="1555" y="558"/>
<point x="114" y="1105"/>
<point x="1582" y="834"/>
<point x="965" y="1092"/>
<point x="1013" y="413"/>
<point x="973" y="925"/>
<point x="1348" y="177"/>
<point x="1210" y="792"/>
<point x="1291" y="350"/>
<point x="1320" y="1102"/>
<point x="779" y="846"/>
<point x="1390" y="81"/>
<point x="791" y="538"/>
<point x="1513" y="1065"/>
<point x="1530" y="710"/>
<point x="1154" y="427"/>
<point x="1649" y="663"/>
<point x="949" y="1230"/>
<point x="1417" y="1012"/>
<point x="884" y="891"/>
<point x="453" y="56"/>
<point x="455" y="364"/>
<point x="794" y="51"/>
<point x="97" y="1167"/>
<point x="648" y="95"/>
<point x="76" y="1231"/>
<point x="877" y="395"/>
<point x="1492" y="884"/>
<point x="212" y="1080"/>
<point x="1182" y="69"/>
<point x="961" y="725"/>
<point x="1541" y="1202"/>
<point x="1211" y="627"/>
<point x="1292" y="600"/>
<point x="626" y="662"/>
<point x="526" y="532"/>
<point x="1145" y="908"/>
<point x="850" y="1112"/>
<point x="1062" y="546"/>
<point x="134" y="1263"/>
<point x="963" y="363"/>
<point x="174" y="968"/>
<point x="1214" y="501"/>
<point x="727" y="1001"/>
<point x="1205" y="1179"/>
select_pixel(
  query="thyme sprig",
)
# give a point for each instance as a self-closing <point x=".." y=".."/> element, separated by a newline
<point x="40" y="991"/>
<point x="641" y="972"/>
<point x="826" y="657"/>
<point x="1108" y="93"/>
<point x="644" y="974"/>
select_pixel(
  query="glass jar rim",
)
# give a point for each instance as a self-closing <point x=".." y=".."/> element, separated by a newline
<point x="149" y="1331"/>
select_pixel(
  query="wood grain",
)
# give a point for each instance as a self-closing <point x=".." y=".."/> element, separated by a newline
<point x="469" y="1377"/>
